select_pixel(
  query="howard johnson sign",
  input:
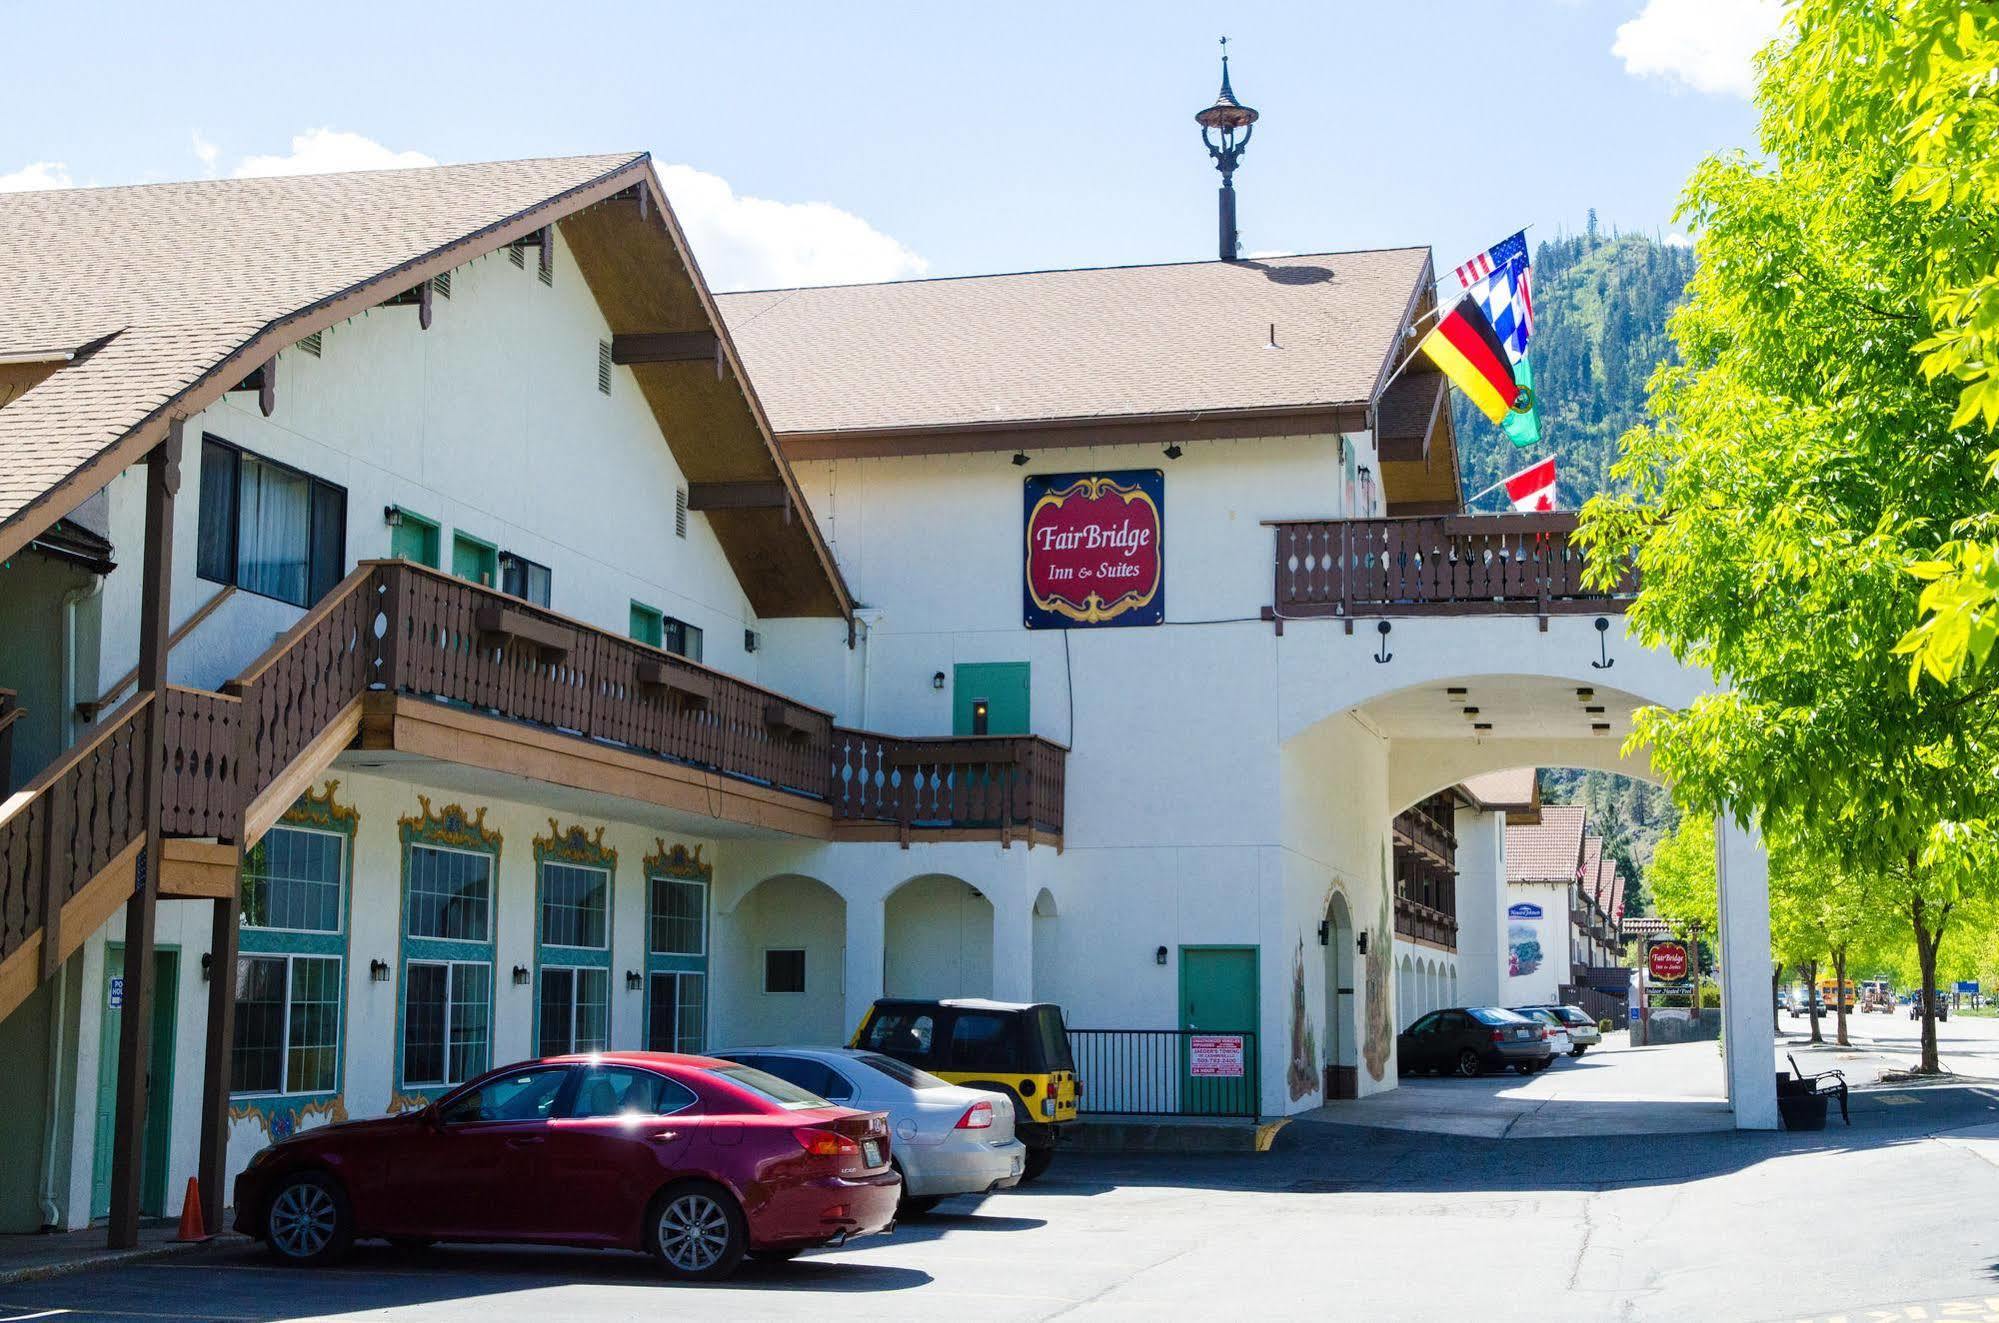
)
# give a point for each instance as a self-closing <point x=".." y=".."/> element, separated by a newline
<point x="1094" y="550"/>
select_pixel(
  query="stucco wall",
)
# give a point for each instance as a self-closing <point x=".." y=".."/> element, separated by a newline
<point x="1549" y="935"/>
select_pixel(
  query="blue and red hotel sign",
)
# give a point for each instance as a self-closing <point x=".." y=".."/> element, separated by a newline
<point x="1095" y="551"/>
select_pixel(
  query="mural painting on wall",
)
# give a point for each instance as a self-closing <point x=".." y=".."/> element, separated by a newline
<point x="1380" y="1038"/>
<point x="1523" y="949"/>
<point x="1303" y="1075"/>
<point x="1094" y="549"/>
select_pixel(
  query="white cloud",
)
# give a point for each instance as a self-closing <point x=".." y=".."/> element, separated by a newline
<point x="1679" y="241"/>
<point x="328" y="151"/>
<point x="206" y="152"/>
<point x="1707" y="45"/>
<point x="39" y="174"/>
<point x="754" y="243"/>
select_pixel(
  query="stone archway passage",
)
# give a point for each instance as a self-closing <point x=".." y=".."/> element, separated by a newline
<point x="1342" y="1031"/>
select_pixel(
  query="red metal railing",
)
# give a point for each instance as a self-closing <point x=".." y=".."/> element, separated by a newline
<point x="1447" y="565"/>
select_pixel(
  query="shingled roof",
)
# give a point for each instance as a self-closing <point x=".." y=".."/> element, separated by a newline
<point x="1548" y="851"/>
<point x="133" y="304"/>
<point x="1512" y="790"/>
<point x="865" y="369"/>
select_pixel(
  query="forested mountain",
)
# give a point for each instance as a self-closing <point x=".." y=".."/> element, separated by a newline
<point x="1600" y="305"/>
<point x="1630" y="815"/>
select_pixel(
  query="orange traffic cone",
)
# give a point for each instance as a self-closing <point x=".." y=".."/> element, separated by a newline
<point x="191" y="1228"/>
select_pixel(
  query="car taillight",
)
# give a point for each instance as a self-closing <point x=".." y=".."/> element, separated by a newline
<point x="1499" y="1035"/>
<point x="979" y="1116"/>
<point x="1547" y="1033"/>
<point x="825" y="1143"/>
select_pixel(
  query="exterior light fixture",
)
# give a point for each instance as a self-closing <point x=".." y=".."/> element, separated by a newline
<point x="1325" y="932"/>
<point x="1173" y="451"/>
<point x="392" y="515"/>
<point x="1233" y="122"/>
<point x="1360" y="941"/>
<point x="1456" y="691"/>
<point x="1159" y="956"/>
<point x="937" y="680"/>
<point x="378" y="971"/>
<point x="1585" y="695"/>
<point x="1471" y="711"/>
<point x="632" y="980"/>
<point x="1366" y="490"/>
<point x="1600" y="727"/>
<point x="1481" y="725"/>
<point x="1019" y="458"/>
<point x="520" y="976"/>
<point x="207" y="965"/>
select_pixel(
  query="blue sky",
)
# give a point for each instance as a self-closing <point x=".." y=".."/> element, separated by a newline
<point x="864" y="141"/>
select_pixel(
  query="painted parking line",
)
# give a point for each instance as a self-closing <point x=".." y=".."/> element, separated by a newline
<point x="1966" y="1310"/>
<point x="23" y="1318"/>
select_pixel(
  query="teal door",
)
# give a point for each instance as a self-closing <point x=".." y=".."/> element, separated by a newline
<point x="1219" y="1008"/>
<point x="989" y="698"/>
<point x="160" y="1090"/>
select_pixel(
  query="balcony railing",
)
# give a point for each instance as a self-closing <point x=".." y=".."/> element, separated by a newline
<point x="1423" y="923"/>
<point x="1443" y="565"/>
<point x="1008" y="782"/>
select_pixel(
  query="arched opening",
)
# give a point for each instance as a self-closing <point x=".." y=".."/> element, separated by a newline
<point x="939" y="939"/>
<point x="1342" y="1035"/>
<point x="1047" y="964"/>
<point x="785" y="944"/>
<point x="1407" y="999"/>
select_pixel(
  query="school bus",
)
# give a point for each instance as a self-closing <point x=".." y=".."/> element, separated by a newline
<point x="1836" y="995"/>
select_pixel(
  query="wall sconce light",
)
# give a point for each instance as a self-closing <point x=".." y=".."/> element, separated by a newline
<point x="392" y="515"/>
<point x="1360" y="942"/>
<point x="937" y="680"/>
<point x="1325" y="933"/>
<point x="378" y="971"/>
<point x="632" y="980"/>
<point x="1159" y="956"/>
<point x="520" y="976"/>
<point x="207" y="965"/>
<point x="1019" y="458"/>
<point x="1366" y="490"/>
<point x="1173" y="451"/>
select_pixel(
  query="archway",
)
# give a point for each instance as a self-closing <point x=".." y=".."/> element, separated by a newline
<point x="785" y="944"/>
<point x="1407" y="998"/>
<point x="1342" y="1035"/>
<point x="939" y="939"/>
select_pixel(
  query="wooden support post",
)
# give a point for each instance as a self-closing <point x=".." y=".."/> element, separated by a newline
<point x="136" y="1028"/>
<point x="267" y="387"/>
<point x="214" y="1169"/>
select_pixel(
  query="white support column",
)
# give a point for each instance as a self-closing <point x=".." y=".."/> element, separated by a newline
<point x="867" y="944"/>
<point x="1013" y="944"/>
<point x="1481" y="908"/>
<point x="1742" y="872"/>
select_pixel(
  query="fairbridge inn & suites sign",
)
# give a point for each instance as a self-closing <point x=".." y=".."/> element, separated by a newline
<point x="1094" y="551"/>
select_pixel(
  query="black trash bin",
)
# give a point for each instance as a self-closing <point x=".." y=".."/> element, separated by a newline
<point x="1803" y="1111"/>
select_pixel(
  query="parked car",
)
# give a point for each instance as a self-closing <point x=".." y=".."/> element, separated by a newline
<point x="1021" y="1050"/>
<point x="1583" y="1031"/>
<point x="698" y="1161"/>
<point x="1466" y="1040"/>
<point x="1940" y="1000"/>
<point x="1800" y="1008"/>
<point x="948" y="1139"/>
<point x="1556" y="1032"/>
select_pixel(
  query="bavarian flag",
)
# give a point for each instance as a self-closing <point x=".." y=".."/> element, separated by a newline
<point x="1466" y="348"/>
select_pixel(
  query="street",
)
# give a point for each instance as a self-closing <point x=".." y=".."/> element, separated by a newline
<point x="1348" y="1220"/>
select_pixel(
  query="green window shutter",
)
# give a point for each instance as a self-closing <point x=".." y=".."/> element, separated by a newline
<point x="646" y="624"/>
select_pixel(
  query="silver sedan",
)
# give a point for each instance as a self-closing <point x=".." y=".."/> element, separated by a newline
<point x="949" y="1139"/>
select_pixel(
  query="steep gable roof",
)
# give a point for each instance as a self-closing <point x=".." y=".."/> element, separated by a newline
<point x="1548" y="851"/>
<point x="153" y="300"/>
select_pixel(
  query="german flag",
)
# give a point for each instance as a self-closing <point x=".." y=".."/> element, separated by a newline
<point x="1464" y="345"/>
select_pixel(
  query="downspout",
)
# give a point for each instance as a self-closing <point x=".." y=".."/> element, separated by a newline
<point x="52" y="1101"/>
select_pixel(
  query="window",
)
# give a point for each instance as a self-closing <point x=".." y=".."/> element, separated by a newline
<point x="291" y="882"/>
<point x="628" y="1091"/>
<point x="678" y="916"/>
<point x="978" y="1041"/>
<point x="287" y="1025"/>
<point x="573" y="905"/>
<point x="683" y="639"/>
<point x="524" y="578"/>
<point x="647" y="626"/>
<point x="267" y="528"/>
<point x="414" y="538"/>
<point x="604" y="366"/>
<point x="474" y="559"/>
<point x="903" y="1073"/>
<point x="575" y="1011"/>
<point x="782" y="1092"/>
<point x="450" y="894"/>
<point x="680" y="512"/>
<point x="812" y="1075"/>
<point x="676" y="1013"/>
<point x="526" y="1095"/>
<point x="784" y="970"/>
<point x="900" y="1033"/>
<point x="447" y="1021"/>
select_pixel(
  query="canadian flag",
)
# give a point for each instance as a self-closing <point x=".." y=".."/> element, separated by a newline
<point x="1533" y="488"/>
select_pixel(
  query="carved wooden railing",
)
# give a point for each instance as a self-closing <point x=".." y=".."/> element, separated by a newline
<point x="1414" y="919"/>
<point x="11" y="713"/>
<point x="1422" y="830"/>
<point x="1444" y="565"/>
<point x="1009" y="782"/>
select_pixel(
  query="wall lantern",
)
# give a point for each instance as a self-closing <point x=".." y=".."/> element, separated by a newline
<point x="1360" y="942"/>
<point x="1159" y="956"/>
<point x="937" y="680"/>
<point x="520" y="976"/>
<point x="392" y="515"/>
<point x="1325" y="933"/>
<point x="207" y="965"/>
<point x="1173" y="451"/>
<point x="632" y="980"/>
<point x="378" y="971"/>
<point x="1366" y="490"/>
<point x="1020" y="459"/>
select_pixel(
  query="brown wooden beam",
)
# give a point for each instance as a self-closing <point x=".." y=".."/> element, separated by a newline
<point x="214" y="1168"/>
<point x="664" y="347"/>
<point x="737" y="496"/>
<point x="135" y="1031"/>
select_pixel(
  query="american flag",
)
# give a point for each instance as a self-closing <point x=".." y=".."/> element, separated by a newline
<point x="1496" y="258"/>
<point x="1498" y="279"/>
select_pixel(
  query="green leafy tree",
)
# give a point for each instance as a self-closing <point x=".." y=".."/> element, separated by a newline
<point x="1800" y="455"/>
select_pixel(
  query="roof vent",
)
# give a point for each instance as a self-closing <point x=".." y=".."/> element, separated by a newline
<point x="440" y="285"/>
<point x="310" y="344"/>
<point x="680" y="512"/>
<point x="604" y="366"/>
<point x="517" y="254"/>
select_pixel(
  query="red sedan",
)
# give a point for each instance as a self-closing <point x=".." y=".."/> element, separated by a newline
<point x="696" y="1160"/>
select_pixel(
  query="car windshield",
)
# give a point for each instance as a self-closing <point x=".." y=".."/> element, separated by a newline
<point x="1495" y="1015"/>
<point x="1052" y="1039"/>
<point x="1574" y="1016"/>
<point x="1545" y="1017"/>
<point x="782" y="1092"/>
<point x="902" y="1072"/>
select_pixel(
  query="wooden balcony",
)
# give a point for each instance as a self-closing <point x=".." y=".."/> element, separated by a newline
<point x="1424" y="923"/>
<point x="1497" y="564"/>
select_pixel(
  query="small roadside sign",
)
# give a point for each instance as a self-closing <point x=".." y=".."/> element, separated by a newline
<point x="1215" y="1056"/>
<point x="1667" y="961"/>
<point x="117" y="997"/>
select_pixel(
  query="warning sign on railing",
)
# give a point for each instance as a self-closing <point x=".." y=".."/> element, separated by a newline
<point x="1215" y="1056"/>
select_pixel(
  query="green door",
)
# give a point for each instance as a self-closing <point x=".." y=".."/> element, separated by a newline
<point x="414" y="538"/>
<point x="1219" y="1009"/>
<point x="989" y="698"/>
<point x="159" y="1098"/>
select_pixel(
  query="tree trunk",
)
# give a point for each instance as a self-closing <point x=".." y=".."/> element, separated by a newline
<point x="1776" y="983"/>
<point x="1926" y="960"/>
<point x="1839" y="993"/>
<point x="1812" y="998"/>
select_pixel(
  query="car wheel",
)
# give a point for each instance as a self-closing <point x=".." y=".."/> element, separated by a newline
<point x="698" y="1232"/>
<point x="1578" y="1050"/>
<point x="308" y="1223"/>
<point x="1468" y="1063"/>
<point x="1038" y="1162"/>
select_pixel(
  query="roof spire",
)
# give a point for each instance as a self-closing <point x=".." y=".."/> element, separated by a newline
<point x="1228" y="117"/>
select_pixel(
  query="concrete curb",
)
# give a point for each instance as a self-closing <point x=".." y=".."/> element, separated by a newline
<point x="85" y="1261"/>
<point x="1175" y="1135"/>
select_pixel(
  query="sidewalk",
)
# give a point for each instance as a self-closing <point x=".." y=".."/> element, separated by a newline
<point x="32" y="1256"/>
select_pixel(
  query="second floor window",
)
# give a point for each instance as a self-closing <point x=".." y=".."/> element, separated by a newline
<point x="291" y="882"/>
<point x="683" y="639"/>
<point x="267" y="528"/>
<point x="450" y="894"/>
<point x="524" y="578"/>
